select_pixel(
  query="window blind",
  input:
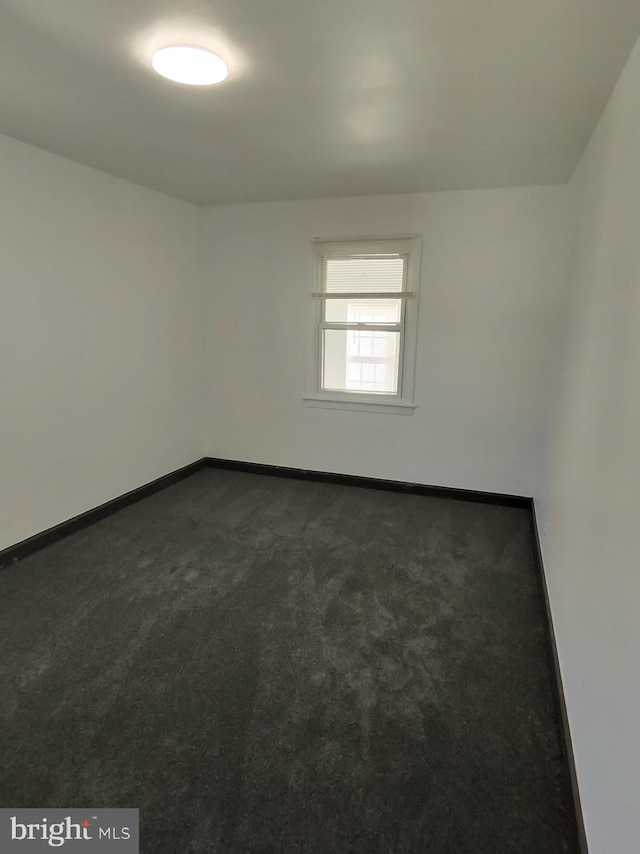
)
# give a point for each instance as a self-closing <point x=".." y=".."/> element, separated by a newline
<point x="372" y="274"/>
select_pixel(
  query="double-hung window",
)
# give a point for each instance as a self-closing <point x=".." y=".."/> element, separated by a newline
<point x="366" y="323"/>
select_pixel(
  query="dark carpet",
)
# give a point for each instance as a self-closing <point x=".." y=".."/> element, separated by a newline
<point x="270" y="665"/>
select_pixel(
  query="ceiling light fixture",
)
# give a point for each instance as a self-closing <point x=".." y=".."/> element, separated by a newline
<point x="195" y="66"/>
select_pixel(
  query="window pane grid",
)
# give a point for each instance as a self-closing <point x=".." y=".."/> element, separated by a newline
<point x="378" y="312"/>
<point x="356" y="360"/>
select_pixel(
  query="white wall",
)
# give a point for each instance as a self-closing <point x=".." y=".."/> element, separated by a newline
<point x="101" y="337"/>
<point x="493" y="283"/>
<point x="589" y="504"/>
<point x="100" y="344"/>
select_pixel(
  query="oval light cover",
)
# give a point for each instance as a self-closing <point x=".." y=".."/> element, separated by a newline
<point x="195" y="66"/>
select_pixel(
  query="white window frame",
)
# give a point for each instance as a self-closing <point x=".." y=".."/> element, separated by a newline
<point x="403" y="401"/>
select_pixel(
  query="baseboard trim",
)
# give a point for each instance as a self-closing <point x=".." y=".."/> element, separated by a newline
<point x="20" y="550"/>
<point x="567" y="745"/>
<point x="14" y="553"/>
<point x="503" y="500"/>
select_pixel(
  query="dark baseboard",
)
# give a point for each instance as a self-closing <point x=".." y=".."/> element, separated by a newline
<point x="373" y="483"/>
<point x="558" y="692"/>
<point x="15" y="553"/>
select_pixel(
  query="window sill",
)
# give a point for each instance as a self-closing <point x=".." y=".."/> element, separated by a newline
<point x="398" y="407"/>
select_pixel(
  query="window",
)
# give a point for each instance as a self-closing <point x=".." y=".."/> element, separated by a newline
<point x="366" y="321"/>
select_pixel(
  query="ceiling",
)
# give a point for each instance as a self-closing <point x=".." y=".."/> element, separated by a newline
<point x="324" y="97"/>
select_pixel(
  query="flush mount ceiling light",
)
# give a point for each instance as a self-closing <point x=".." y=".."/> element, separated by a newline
<point x="195" y="66"/>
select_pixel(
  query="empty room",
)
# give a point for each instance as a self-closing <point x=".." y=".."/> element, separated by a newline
<point x="319" y="424"/>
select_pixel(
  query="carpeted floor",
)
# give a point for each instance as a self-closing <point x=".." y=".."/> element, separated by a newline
<point x="269" y="665"/>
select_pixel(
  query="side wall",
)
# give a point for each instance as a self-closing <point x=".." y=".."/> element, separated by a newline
<point x="493" y="282"/>
<point x="588" y="503"/>
<point x="100" y="345"/>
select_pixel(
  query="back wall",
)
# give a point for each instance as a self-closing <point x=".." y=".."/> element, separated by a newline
<point x="493" y="294"/>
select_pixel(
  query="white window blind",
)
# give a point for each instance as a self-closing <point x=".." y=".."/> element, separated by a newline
<point x="365" y="274"/>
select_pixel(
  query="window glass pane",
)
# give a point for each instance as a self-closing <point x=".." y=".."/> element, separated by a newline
<point x="363" y="311"/>
<point x="364" y="275"/>
<point x="360" y="360"/>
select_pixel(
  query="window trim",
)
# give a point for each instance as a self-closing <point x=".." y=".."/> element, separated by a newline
<point x="403" y="401"/>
